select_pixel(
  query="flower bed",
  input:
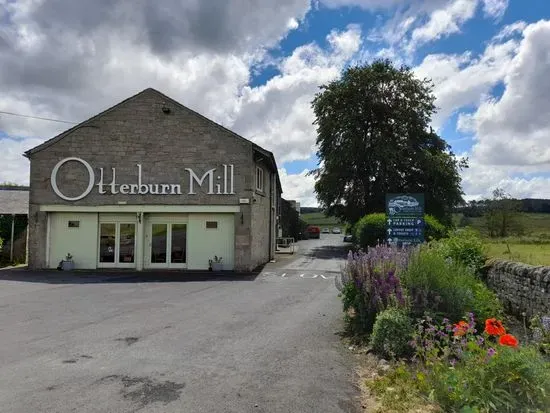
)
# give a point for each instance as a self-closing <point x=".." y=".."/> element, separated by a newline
<point x="409" y="303"/>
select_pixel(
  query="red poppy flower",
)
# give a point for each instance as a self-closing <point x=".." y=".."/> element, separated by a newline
<point x="460" y="328"/>
<point x="494" y="327"/>
<point x="508" y="340"/>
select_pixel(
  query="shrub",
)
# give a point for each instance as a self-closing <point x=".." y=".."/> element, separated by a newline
<point x="371" y="284"/>
<point x="434" y="229"/>
<point x="464" y="246"/>
<point x="392" y="333"/>
<point x="371" y="230"/>
<point x="446" y="288"/>
<point x="485" y="303"/>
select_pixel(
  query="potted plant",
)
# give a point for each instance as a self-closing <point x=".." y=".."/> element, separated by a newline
<point x="215" y="264"/>
<point x="67" y="264"/>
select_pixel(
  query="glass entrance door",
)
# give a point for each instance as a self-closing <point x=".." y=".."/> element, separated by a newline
<point x="117" y="244"/>
<point x="168" y="245"/>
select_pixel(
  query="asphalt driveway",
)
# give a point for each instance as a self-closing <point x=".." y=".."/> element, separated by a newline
<point x="155" y="342"/>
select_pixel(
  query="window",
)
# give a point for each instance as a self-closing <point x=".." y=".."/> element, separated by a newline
<point x="74" y="224"/>
<point x="259" y="179"/>
<point x="211" y="224"/>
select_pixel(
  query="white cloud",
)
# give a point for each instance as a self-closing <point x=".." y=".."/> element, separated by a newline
<point x="443" y="22"/>
<point x="495" y="8"/>
<point x="462" y="80"/>
<point x="365" y="4"/>
<point x="278" y="114"/>
<point x="292" y="24"/>
<point x="210" y="73"/>
<point x="465" y="123"/>
<point x="510" y="30"/>
<point x="298" y="187"/>
<point x="414" y="23"/>
<point x="15" y="168"/>
<point x="512" y="131"/>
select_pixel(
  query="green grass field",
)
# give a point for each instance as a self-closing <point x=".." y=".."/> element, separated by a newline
<point x="534" y="254"/>
<point x="321" y="220"/>
<point x="535" y="225"/>
<point x="533" y="247"/>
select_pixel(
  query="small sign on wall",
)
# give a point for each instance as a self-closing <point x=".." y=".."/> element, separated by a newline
<point x="244" y="200"/>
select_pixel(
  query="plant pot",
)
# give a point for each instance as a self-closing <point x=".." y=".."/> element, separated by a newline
<point x="217" y="266"/>
<point x="67" y="265"/>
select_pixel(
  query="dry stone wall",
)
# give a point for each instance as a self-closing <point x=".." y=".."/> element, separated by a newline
<point x="522" y="288"/>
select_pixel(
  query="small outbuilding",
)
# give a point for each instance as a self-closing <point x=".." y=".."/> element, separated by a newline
<point x="14" y="208"/>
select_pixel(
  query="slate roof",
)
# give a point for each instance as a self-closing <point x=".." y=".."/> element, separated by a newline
<point x="14" y="201"/>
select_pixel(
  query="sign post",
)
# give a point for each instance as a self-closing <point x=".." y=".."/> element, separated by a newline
<point x="405" y="219"/>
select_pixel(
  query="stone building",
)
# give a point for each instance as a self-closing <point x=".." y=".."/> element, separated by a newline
<point x="149" y="184"/>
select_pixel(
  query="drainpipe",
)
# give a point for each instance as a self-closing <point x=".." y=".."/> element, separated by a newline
<point x="270" y="255"/>
<point x="12" y="234"/>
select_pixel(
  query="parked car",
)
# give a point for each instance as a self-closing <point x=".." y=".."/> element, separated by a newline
<point x="326" y="231"/>
<point x="348" y="238"/>
<point x="336" y="230"/>
<point x="313" y="231"/>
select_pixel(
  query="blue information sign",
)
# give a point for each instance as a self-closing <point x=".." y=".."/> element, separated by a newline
<point x="405" y="219"/>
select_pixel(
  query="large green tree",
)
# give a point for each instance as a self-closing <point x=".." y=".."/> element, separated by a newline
<point x="374" y="138"/>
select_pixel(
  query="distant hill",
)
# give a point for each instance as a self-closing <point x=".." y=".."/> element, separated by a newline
<point x="476" y="208"/>
<point x="310" y="210"/>
<point x="535" y="205"/>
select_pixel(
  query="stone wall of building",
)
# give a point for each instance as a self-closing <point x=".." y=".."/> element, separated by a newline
<point x="139" y="132"/>
<point x="261" y="215"/>
<point x="522" y="288"/>
<point x="165" y="139"/>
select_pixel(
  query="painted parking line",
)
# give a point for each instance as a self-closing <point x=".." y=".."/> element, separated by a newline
<point x="303" y="275"/>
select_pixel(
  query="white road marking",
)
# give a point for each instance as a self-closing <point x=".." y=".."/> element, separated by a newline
<point x="304" y="276"/>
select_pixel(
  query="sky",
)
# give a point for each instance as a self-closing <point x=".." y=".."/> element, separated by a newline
<point x="254" y="66"/>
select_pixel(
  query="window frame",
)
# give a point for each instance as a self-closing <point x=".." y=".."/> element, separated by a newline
<point x="260" y="180"/>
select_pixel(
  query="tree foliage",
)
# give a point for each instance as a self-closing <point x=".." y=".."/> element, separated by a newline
<point x="374" y="138"/>
<point x="502" y="215"/>
<point x="291" y="224"/>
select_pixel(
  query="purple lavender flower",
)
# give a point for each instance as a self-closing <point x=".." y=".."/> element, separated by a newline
<point x="480" y="341"/>
<point x="491" y="352"/>
<point x="546" y="322"/>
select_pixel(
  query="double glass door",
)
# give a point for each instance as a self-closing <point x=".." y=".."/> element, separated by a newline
<point x="167" y="245"/>
<point x="117" y="244"/>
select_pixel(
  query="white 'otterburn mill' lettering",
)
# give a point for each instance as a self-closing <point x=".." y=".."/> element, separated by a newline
<point x="225" y="187"/>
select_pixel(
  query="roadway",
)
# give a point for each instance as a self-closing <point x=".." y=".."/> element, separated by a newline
<point x="154" y="342"/>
